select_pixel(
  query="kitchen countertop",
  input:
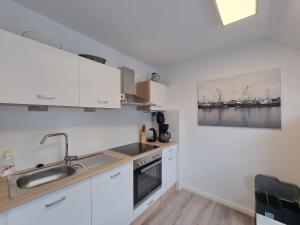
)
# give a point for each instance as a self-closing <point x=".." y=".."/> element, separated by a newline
<point x="7" y="203"/>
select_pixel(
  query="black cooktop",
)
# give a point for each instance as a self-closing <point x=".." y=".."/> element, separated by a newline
<point x="134" y="148"/>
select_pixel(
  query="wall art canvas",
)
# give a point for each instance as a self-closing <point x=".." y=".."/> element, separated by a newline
<point x="248" y="100"/>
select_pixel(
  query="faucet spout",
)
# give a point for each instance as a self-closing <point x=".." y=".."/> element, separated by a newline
<point x="68" y="159"/>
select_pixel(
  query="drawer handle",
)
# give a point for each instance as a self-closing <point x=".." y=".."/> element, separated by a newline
<point x="149" y="203"/>
<point x="115" y="175"/>
<point x="102" y="102"/>
<point x="171" y="150"/>
<point x="56" y="202"/>
<point x="46" y="97"/>
<point x="158" y="106"/>
<point x="170" y="158"/>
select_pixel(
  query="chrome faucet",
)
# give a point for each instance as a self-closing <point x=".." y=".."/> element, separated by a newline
<point x="68" y="159"/>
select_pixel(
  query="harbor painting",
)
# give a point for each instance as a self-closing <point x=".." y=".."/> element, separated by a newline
<point x="248" y="100"/>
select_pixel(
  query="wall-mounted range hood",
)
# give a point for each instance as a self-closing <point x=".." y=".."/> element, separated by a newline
<point x="128" y="88"/>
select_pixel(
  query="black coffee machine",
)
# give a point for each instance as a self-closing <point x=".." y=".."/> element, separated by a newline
<point x="163" y="136"/>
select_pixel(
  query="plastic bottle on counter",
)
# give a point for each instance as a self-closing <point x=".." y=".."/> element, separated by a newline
<point x="8" y="164"/>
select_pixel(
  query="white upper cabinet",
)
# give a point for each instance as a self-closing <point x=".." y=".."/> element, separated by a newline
<point x="169" y="167"/>
<point x="34" y="73"/>
<point x="158" y="94"/>
<point x="112" y="196"/>
<point x="69" y="206"/>
<point x="154" y="92"/>
<point x="100" y="85"/>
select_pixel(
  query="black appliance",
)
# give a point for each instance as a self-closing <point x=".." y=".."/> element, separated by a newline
<point x="147" y="177"/>
<point x="153" y="137"/>
<point x="277" y="200"/>
<point x="134" y="148"/>
<point x="94" y="58"/>
<point x="147" y="172"/>
<point x="164" y="136"/>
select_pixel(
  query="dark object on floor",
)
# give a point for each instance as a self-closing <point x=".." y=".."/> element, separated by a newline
<point x="277" y="200"/>
<point x="94" y="58"/>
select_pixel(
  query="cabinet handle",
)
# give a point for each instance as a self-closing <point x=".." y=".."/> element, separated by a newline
<point x="171" y="150"/>
<point x="170" y="158"/>
<point x="102" y="102"/>
<point x="55" y="202"/>
<point x="46" y="97"/>
<point x="149" y="203"/>
<point x="115" y="175"/>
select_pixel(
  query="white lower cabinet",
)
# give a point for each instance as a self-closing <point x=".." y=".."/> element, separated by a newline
<point x="146" y="204"/>
<point x="169" y="167"/>
<point x="104" y="199"/>
<point x="69" y="206"/>
<point x="112" y="196"/>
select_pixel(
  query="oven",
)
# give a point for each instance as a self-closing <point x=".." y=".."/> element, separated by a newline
<point x="147" y="177"/>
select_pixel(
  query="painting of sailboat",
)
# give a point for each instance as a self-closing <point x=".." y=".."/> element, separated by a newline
<point x="247" y="100"/>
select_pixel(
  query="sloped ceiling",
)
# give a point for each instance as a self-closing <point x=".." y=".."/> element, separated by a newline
<point x="285" y="23"/>
<point x="164" y="32"/>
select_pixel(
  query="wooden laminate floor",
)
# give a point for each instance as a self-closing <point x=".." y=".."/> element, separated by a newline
<point x="186" y="208"/>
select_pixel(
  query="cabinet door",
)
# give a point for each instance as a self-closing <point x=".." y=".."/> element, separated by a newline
<point x="158" y="95"/>
<point x="100" y="85"/>
<point x="34" y="73"/>
<point x="112" y="197"/>
<point x="70" y="206"/>
<point x="169" y="168"/>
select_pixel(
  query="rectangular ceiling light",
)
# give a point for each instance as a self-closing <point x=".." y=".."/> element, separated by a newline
<point x="234" y="10"/>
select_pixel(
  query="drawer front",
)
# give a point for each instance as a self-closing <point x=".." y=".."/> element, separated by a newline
<point x="169" y="167"/>
<point x="69" y="206"/>
<point x="170" y="151"/>
<point x="145" y="205"/>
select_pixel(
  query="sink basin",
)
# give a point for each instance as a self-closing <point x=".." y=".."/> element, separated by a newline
<point x="21" y="183"/>
<point x="43" y="176"/>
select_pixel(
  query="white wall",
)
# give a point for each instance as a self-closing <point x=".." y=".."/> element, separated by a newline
<point x="21" y="130"/>
<point x="221" y="162"/>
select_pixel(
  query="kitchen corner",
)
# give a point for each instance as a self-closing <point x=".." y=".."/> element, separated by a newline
<point x="115" y="168"/>
<point x="7" y="202"/>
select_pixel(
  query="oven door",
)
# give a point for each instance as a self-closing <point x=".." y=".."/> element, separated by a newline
<point x="147" y="180"/>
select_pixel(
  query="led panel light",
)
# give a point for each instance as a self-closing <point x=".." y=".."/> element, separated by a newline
<point x="234" y="10"/>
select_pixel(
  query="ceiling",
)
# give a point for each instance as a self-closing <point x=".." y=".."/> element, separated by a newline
<point x="164" y="32"/>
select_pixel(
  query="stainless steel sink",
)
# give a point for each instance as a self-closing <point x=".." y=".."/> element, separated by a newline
<point x="43" y="176"/>
<point x="21" y="183"/>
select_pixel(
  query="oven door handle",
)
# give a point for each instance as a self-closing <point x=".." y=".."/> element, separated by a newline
<point x="150" y="166"/>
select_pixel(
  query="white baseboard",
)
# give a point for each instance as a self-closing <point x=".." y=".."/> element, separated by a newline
<point x="219" y="200"/>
